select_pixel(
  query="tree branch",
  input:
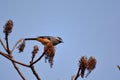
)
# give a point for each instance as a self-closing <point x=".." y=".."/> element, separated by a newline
<point x="34" y="72"/>
<point x="7" y="44"/>
<point x="37" y="59"/>
<point x="3" y="45"/>
<point x="15" y="66"/>
<point x="78" y="74"/>
<point x="32" y="66"/>
<point x="18" y="70"/>
<point x="16" y="45"/>
<point x="11" y="59"/>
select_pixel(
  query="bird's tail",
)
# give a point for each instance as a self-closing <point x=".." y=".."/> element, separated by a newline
<point x="30" y="39"/>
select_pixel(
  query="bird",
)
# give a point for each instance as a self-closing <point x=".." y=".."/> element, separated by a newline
<point x="47" y="39"/>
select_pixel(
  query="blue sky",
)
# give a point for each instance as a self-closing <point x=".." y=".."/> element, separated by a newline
<point x="88" y="28"/>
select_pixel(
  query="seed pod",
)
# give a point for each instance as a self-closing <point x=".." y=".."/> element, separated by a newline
<point x="35" y="50"/>
<point x="83" y="65"/>
<point x="8" y="27"/>
<point x="91" y="65"/>
<point x="21" y="47"/>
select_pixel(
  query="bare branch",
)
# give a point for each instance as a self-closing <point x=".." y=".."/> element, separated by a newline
<point x="18" y="70"/>
<point x="34" y="52"/>
<point x="8" y="29"/>
<point x="20" y="40"/>
<point x="3" y="45"/>
<point x="78" y="74"/>
<point x="34" y="72"/>
<point x="11" y="59"/>
<point x="37" y="59"/>
<point x="7" y="44"/>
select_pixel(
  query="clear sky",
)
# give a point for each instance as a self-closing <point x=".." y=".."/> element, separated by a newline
<point x="88" y="28"/>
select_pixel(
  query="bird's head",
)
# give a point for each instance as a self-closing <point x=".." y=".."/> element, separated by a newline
<point x="59" y="39"/>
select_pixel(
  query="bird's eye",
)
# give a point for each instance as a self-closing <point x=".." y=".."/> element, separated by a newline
<point x="48" y="38"/>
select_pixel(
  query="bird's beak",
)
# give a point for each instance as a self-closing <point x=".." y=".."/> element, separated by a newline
<point x="62" y="42"/>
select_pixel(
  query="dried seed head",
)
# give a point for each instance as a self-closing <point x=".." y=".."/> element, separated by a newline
<point x="35" y="50"/>
<point x="21" y="47"/>
<point x="83" y="65"/>
<point x="49" y="53"/>
<point x="8" y="27"/>
<point x="91" y="65"/>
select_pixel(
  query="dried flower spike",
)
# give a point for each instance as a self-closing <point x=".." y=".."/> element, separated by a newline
<point x="91" y="65"/>
<point x="8" y="27"/>
<point x="49" y="53"/>
<point x="21" y="47"/>
<point x="35" y="50"/>
<point x="83" y="65"/>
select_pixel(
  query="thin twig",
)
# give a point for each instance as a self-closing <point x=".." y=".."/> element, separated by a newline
<point x="3" y="45"/>
<point x="78" y="74"/>
<point x="34" y="72"/>
<point x="10" y="55"/>
<point x="7" y="44"/>
<point x="37" y="59"/>
<point x="32" y="67"/>
<point x="18" y="70"/>
<point x="16" y="45"/>
<point x="33" y="56"/>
